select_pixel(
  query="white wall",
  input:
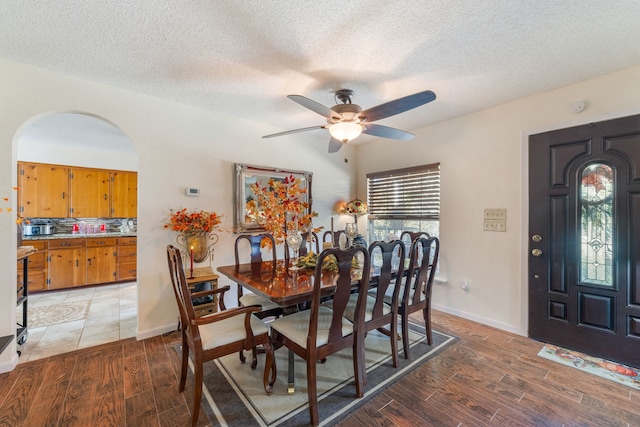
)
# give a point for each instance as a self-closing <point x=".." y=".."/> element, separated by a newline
<point x="178" y="146"/>
<point x="483" y="158"/>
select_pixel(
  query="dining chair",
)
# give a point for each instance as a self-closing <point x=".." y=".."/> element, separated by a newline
<point x="256" y="261"/>
<point x="309" y="245"/>
<point x="215" y="335"/>
<point x="320" y="331"/>
<point x="415" y="294"/>
<point x="377" y="313"/>
<point x="268" y="308"/>
<point x="408" y="237"/>
<point x="337" y="235"/>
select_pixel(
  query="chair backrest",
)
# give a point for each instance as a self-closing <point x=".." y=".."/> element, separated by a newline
<point x="343" y="280"/>
<point x="255" y="242"/>
<point x="181" y="289"/>
<point x="309" y="245"/>
<point x="423" y="261"/>
<point x="391" y="270"/>
<point x="337" y="235"/>
<point x="409" y="236"/>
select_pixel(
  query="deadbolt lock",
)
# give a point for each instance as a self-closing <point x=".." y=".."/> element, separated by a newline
<point x="536" y="238"/>
<point x="536" y="252"/>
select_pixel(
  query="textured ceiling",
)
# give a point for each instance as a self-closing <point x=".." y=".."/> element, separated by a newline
<point x="242" y="58"/>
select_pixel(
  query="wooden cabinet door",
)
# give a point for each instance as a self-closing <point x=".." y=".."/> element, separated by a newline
<point x="43" y="190"/>
<point x="89" y="193"/>
<point x="67" y="268"/>
<point x="101" y="265"/>
<point x="124" y="194"/>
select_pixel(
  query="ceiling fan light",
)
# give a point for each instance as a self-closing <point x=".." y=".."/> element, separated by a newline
<point x="345" y="131"/>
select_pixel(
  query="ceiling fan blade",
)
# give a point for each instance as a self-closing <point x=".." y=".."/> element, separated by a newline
<point x="314" y="106"/>
<point x="397" y="106"/>
<point x="335" y="145"/>
<point x="386" y="132"/>
<point x="294" y="131"/>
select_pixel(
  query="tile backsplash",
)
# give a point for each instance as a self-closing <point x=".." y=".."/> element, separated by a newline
<point x="89" y="225"/>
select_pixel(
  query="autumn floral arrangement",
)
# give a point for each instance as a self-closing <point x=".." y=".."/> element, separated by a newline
<point x="278" y="206"/>
<point x="185" y="221"/>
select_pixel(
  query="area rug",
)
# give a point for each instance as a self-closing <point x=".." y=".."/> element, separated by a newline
<point x="234" y="395"/>
<point x="48" y="315"/>
<point x="617" y="372"/>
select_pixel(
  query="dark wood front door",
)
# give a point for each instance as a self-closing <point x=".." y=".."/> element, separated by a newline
<point x="584" y="238"/>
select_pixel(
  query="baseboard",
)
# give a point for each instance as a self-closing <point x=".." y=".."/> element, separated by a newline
<point x="10" y="365"/>
<point x="141" y="335"/>
<point x="484" y="320"/>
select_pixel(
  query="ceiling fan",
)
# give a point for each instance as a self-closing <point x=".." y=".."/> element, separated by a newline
<point x="346" y="121"/>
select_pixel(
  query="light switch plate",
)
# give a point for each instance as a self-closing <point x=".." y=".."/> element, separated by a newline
<point x="495" y="219"/>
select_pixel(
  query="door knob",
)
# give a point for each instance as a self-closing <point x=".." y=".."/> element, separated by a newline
<point x="536" y="238"/>
<point x="536" y="252"/>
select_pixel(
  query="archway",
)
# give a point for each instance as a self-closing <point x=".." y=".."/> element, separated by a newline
<point x="78" y="139"/>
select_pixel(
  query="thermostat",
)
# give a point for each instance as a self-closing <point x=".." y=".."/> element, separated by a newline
<point x="193" y="192"/>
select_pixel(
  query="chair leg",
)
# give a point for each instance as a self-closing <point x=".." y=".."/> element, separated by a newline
<point x="359" y="370"/>
<point x="394" y="341"/>
<point x="269" y="368"/>
<point x="197" y="393"/>
<point x="312" y="392"/>
<point x="185" y="365"/>
<point x="254" y="362"/>
<point x="405" y="334"/>
<point x="242" y="358"/>
<point x="426" y="313"/>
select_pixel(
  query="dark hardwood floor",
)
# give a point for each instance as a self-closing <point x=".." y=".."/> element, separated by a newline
<point x="488" y="378"/>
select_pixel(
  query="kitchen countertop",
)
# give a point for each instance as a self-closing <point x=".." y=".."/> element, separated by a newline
<point x="77" y="236"/>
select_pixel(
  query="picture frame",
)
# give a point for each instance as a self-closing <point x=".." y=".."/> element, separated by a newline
<point x="247" y="175"/>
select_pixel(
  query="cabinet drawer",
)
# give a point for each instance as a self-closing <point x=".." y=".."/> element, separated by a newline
<point x="37" y="280"/>
<point x="36" y="261"/>
<point x="127" y="270"/>
<point x="127" y="254"/>
<point x="127" y="241"/>
<point x="66" y="243"/>
<point x="38" y="244"/>
<point x="99" y="242"/>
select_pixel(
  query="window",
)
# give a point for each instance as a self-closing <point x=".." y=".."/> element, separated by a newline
<point x="404" y="200"/>
<point x="596" y="242"/>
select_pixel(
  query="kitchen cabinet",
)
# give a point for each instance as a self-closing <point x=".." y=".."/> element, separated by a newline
<point x="124" y="194"/>
<point x="127" y="258"/>
<point x="101" y="256"/>
<point x="67" y="263"/>
<point x="36" y="266"/>
<point x="71" y="262"/>
<point x="90" y="193"/>
<point x="56" y="191"/>
<point x="43" y="190"/>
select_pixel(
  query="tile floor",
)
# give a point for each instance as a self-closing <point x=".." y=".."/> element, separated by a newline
<point x="111" y="316"/>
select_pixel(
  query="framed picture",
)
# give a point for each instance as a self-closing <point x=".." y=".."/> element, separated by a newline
<point x="246" y="176"/>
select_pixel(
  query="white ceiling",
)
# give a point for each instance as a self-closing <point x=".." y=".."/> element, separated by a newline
<point x="243" y="57"/>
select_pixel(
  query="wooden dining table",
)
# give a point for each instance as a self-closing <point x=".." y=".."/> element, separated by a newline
<point x="286" y="287"/>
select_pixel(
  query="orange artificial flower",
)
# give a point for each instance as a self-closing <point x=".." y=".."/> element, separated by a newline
<point x="183" y="220"/>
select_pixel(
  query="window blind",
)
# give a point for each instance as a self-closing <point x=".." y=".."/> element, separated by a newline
<point x="409" y="193"/>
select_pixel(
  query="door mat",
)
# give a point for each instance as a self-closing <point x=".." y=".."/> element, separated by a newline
<point x="613" y="371"/>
